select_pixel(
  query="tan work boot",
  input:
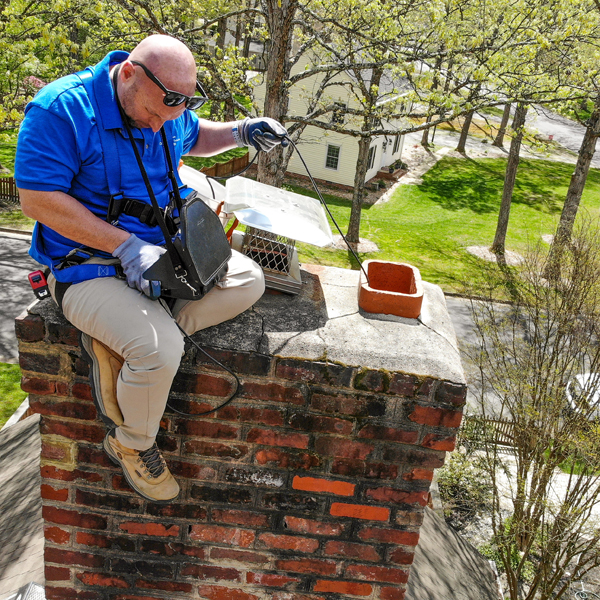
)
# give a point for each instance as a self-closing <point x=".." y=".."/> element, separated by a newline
<point x="105" y="366"/>
<point x="145" y="470"/>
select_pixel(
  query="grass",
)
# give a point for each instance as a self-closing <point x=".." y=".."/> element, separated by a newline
<point x="11" y="394"/>
<point x="430" y="225"/>
<point x="8" y="147"/>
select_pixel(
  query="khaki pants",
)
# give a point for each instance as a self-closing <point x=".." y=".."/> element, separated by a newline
<point x="145" y="335"/>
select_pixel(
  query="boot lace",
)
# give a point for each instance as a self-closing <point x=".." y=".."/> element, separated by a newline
<point x="153" y="461"/>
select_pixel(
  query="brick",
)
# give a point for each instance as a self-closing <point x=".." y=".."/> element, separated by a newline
<point x="62" y="593"/>
<point x="307" y="565"/>
<point x="270" y="579"/>
<point x="62" y="333"/>
<point x="247" y="363"/>
<point x="380" y="574"/>
<point x="82" y="391"/>
<point x="270" y="437"/>
<point x="201" y="384"/>
<point x="288" y="542"/>
<point x="189" y="470"/>
<point x="213" y="592"/>
<point x="417" y="474"/>
<point x="332" y="446"/>
<point x="295" y="502"/>
<point x="60" y="516"/>
<point x="29" y="328"/>
<point x="214" y="495"/>
<point x="79" y="366"/>
<point x="108" y="501"/>
<point x="351" y="405"/>
<point x="295" y="596"/>
<point x="344" y="587"/>
<point x="167" y="443"/>
<point x="315" y="372"/>
<point x="386" y="494"/>
<point x="435" y="417"/>
<point x="209" y="429"/>
<point x="372" y="381"/>
<point x="359" y="511"/>
<point x="402" y="384"/>
<point x="65" y="557"/>
<point x="451" y="393"/>
<point x="269" y="479"/>
<point x="50" y="493"/>
<point x="93" y="456"/>
<point x="56" y="535"/>
<point x="62" y="388"/>
<point x="407" y="455"/>
<point x="351" y="550"/>
<point x="409" y="518"/>
<point x="177" y="511"/>
<point x="359" y="468"/>
<point x="314" y="527"/>
<point x="171" y="548"/>
<point x="131" y="597"/>
<point x="40" y="363"/>
<point x="240" y="517"/>
<point x="153" y="529"/>
<point x="250" y="414"/>
<point x="73" y="410"/>
<point x="57" y="573"/>
<point x="439" y="442"/>
<point x="273" y="392"/>
<point x="388" y="434"/>
<point x="328" y="486"/>
<point x="40" y="387"/>
<point x="141" y="567"/>
<point x="391" y="593"/>
<point x="205" y="572"/>
<point x="52" y="472"/>
<point x="427" y="387"/>
<point x="104" y="541"/>
<point x="389" y="536"/>
<point x="400" y="556"/>
<point x="55" y="450"/>
<point x="216" y="449"/>
<point x="243" y="556"/>
<point x="165" y="586"/>
<point x="232" y="536"/>
<point x="102" y="580"/>
<point x="73" y="430"/>
<point x="312" y="422"/>
<point x="285" y="459"/>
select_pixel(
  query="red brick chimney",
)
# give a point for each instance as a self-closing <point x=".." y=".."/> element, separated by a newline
<point x="310" y="486"/>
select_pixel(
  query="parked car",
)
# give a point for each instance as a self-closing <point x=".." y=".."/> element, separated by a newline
<point x="583" y="395"/>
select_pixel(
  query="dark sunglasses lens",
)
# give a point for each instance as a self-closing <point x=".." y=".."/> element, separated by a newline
<point x="195" y="102"/>
<point x="174" y="99"/>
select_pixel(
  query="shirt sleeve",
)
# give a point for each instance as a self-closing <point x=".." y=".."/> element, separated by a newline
<point x="190" y="132"/>
<point x="47" y="157"/>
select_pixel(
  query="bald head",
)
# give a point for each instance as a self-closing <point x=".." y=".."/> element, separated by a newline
<point x="170" y="60"/>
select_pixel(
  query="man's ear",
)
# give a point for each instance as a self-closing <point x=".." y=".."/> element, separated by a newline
<point x="126" y="71"/>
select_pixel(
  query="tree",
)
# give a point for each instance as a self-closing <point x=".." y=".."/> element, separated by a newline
<point x="544" y="532"/>
<point x="499" y="139"/>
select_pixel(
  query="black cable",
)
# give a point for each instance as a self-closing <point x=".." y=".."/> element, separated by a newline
<point x="216" y="362"/>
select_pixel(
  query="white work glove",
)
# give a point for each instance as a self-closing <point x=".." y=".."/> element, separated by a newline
<point x="262" y="133"/>
<point x="136" y="258"/>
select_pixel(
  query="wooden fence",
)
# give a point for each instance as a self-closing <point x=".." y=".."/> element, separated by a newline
<point x="8" y="192"/>
<point x="225" y="169"/>
<point x="477" y="432"/>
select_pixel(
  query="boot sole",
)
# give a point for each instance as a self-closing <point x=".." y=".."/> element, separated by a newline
<point x="85" y="341"/>
<point x="115" y="459"/>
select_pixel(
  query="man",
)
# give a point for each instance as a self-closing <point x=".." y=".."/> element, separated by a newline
<point x="64" y="172"/>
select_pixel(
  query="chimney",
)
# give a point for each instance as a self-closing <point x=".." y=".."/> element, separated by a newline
<point x="311" y="485"/>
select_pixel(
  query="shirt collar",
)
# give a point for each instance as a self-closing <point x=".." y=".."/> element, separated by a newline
<point x="104" y="91"/>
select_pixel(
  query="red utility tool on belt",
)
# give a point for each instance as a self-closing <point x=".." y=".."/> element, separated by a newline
<point x="39" y="285"/>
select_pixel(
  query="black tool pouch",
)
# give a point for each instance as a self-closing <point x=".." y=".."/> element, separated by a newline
<point x="203" y="251"/>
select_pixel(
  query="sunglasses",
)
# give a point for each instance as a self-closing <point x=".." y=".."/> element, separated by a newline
<point x="172" y="98"/>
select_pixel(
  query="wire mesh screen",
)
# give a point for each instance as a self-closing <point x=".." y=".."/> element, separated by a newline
<point x="272" y="252"/>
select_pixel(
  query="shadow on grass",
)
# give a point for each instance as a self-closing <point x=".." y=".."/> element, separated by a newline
<point x="477" y="185"/>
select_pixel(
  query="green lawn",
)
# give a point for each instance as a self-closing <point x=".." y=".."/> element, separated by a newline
<point x="11" y="394"/>
<point x="430" y="225"/>
<point x="8" y="146"/>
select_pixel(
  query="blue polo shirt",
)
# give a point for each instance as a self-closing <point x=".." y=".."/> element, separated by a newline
<point x="59" y="149"/>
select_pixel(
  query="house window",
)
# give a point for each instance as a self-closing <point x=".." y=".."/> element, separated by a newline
<point x="371" y="159"/>
<point x="396" y="144"/>
<point x="338" y="113"/>
<point x="333" y="157"/>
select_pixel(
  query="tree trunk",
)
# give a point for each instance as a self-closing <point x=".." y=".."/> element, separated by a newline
<point x="425" y="138"/>
<point x="362" y="165"/>
<point x="280" y="15"/>
<point x="464" y="134"/>
<point x="499" y="140"/>
<point x="221" y="32"/>
<point x="578" y="179"/>
<point x="509" y="179"/>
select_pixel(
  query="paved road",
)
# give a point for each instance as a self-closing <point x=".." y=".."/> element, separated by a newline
<point x="15" y="292"/>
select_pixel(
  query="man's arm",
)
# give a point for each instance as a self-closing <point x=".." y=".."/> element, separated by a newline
<point x="68" y="217"/>
<point x="213" y="138"/>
